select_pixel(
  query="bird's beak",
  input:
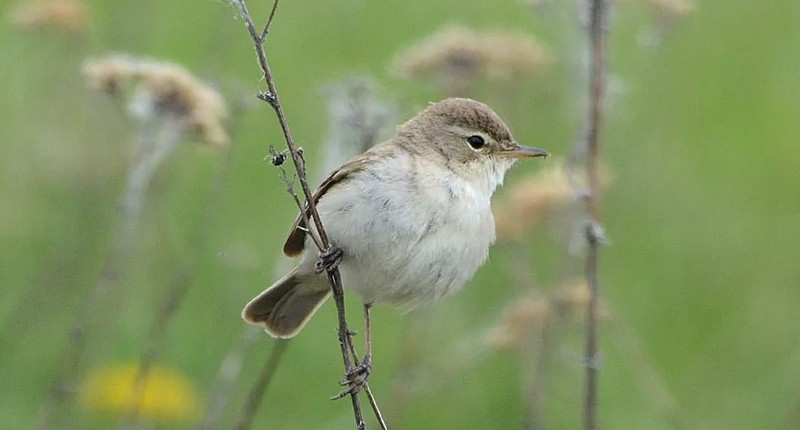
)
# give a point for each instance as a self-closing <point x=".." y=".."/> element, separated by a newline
<point x="520" y="151"/>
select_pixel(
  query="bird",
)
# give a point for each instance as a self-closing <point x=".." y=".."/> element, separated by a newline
<point x="409" y="220"/>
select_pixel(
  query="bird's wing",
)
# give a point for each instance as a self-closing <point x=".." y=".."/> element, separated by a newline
<point x="297" y="236"/>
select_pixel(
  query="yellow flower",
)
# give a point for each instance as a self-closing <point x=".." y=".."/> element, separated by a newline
<point x="166" y="394"/>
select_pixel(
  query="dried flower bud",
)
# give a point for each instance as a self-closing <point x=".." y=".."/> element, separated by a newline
<point x="359" y="119"/>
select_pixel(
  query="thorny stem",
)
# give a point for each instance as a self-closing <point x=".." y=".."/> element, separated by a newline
<point x="594" y="235"/>
<point x="273" y="99"/>
<point x="345" y="341"/>
<point x="373" y="403"/>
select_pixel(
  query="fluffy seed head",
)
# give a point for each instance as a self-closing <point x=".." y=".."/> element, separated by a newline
<point x="456" y="56"/>
<point x="70" y="16"/>
<point x="163" y="88"/>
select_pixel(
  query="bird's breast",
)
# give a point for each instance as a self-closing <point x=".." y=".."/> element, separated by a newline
<point x="410" y="234"/>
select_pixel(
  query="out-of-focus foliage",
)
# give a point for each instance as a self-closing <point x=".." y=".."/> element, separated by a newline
<point x="700" y="279"/>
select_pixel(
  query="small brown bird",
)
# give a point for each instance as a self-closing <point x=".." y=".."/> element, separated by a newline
<point x="411" y="217"/>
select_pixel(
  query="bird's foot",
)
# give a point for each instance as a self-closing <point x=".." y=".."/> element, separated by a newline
<point x="356" y="378"/>
<point x="329" y="259"/>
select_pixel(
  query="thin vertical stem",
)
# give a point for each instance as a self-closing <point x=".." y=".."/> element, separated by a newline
<point x="260" y="387"/>
<point x="272" y="98"/>
<point x="226" y="379"/>
<point x="173" y="299"/>
<point x="597" y="36"/>
<point x="345" y="343"/>
<point x="368" y="356"/>
<point x="590" y="407"/>
<point x="597" y="40"/>
<point x="157" y="140"/>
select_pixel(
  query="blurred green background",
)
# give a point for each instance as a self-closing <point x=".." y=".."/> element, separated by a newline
<point x="701" y="280"/>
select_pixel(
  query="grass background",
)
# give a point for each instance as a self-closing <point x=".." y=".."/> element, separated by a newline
<point x="703" y="215"/>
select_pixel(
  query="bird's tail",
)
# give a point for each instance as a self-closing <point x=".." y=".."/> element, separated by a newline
<point x="285" y="307"/>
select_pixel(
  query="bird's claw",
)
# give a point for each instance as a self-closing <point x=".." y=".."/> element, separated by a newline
<point x="355" y="379"/>
<point x="329" y="259"/>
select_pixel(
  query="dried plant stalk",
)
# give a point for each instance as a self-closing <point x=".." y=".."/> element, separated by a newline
<point x="594" y="232"/>
<point x="272" y="98"/>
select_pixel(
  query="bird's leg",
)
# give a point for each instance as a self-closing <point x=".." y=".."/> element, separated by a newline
<point x="356" y="378"/>
<point x="366" y="363"/>
<point x="329" y="259"/>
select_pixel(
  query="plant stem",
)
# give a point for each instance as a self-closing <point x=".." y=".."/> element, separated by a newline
<point x="271" y="97"/>
<point x="593" y="231"/>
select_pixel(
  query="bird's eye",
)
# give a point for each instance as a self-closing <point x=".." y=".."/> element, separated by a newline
<point x="476" y="142"/>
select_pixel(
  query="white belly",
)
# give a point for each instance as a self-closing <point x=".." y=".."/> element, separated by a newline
<point x="405" y="243"/>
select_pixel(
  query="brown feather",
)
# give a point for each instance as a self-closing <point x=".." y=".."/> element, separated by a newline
<point x="295" y="243"/>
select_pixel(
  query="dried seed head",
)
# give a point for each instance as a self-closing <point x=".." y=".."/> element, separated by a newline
<point x="163" y="89"/>
<point x="526" y="204"/>
<point x="359" y="118"/>
<point x="517" y="323"/>
<point x="109" y="74"/>
<point x="66" y="15"/>
<point x="458" y="55"/>
<point x="571" y="298"/>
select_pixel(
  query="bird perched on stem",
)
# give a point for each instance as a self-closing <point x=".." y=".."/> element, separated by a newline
<point x="409" y="220"/>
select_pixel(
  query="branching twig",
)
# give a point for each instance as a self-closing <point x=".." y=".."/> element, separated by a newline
<point x="269" y="21"/>
<point x="594" y="231"/>
<point x="374" y="404"/>
<point x="276" y="156"/>
<point x="271" y="97"/>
